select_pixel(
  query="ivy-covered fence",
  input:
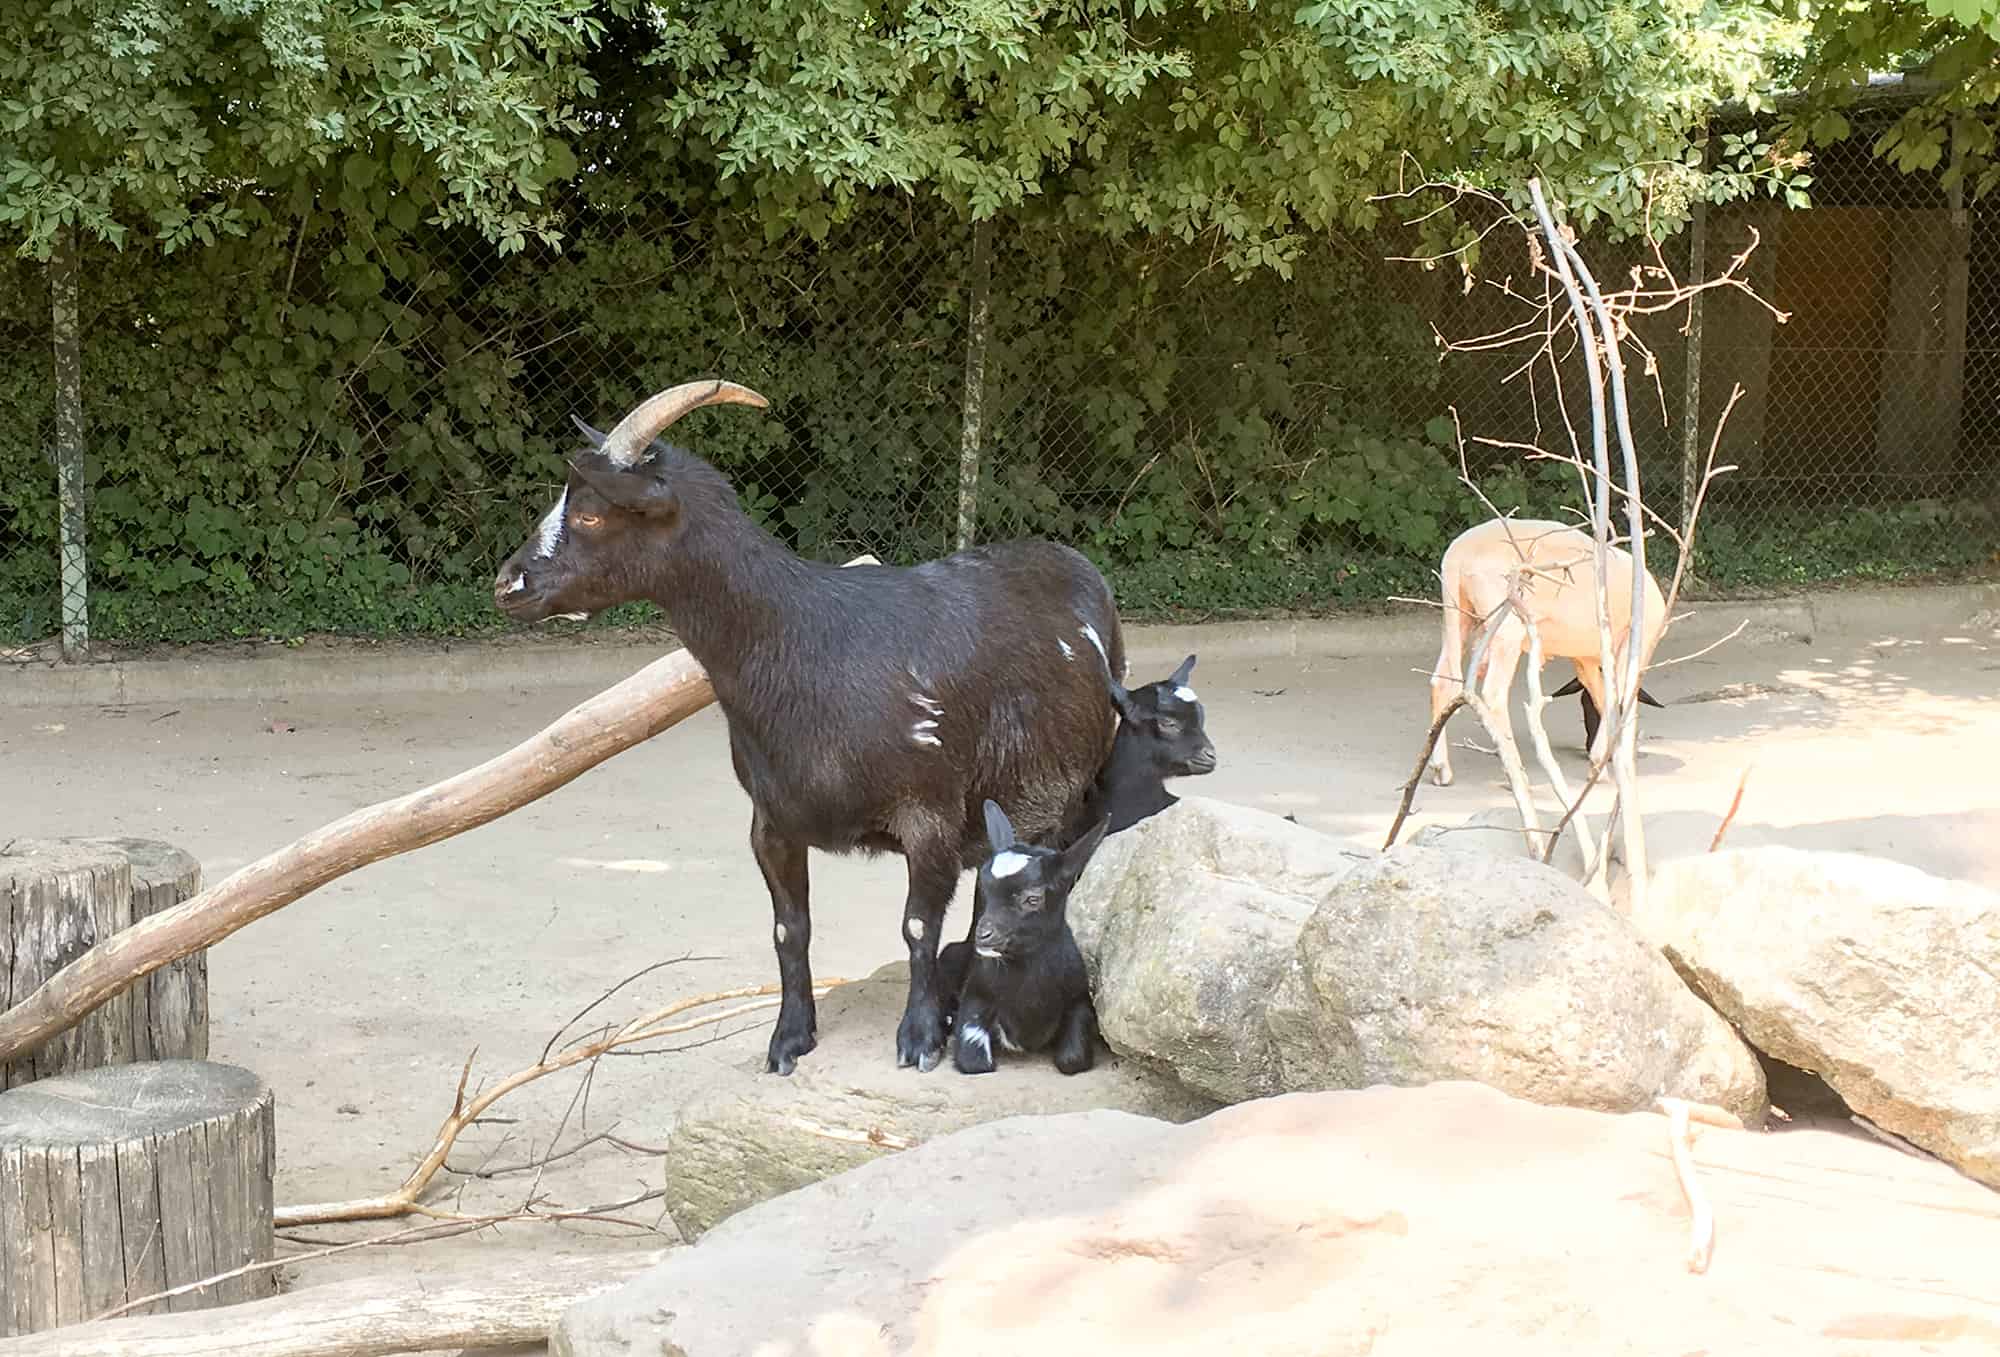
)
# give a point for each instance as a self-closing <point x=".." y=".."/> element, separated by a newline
<point x="318" y="427"/>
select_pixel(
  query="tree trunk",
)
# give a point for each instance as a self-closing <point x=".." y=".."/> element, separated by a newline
<point x="120" y="1182"/>
<point x="364" y="1318"/>
<point x="58" y="897"/>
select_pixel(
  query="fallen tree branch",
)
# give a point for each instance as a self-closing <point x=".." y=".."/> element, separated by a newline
<point x="664" y="693"/>
<point x="1701" y="1225"/>
<point x="366" y="1317"/>
<point x="645" y="1027"/>
<point x="1417" y="775"/>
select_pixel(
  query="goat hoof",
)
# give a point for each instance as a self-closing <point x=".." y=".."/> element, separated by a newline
<point x="920" y="1040"/>
<point x="784" y="1053"/>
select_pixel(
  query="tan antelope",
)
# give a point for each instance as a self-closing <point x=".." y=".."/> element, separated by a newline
<point x="1560" y="595"/>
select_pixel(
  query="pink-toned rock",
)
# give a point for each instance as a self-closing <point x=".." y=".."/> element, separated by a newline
<point x="1396" y="1222"/>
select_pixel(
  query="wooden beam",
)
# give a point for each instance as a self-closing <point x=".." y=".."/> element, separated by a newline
<point x="395" y="1312"/>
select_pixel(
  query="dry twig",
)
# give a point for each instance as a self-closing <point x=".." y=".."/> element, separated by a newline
<point x="1701" y="1224"/>
<point x="1735" y="802"/>
<point x="646" y="1027"/>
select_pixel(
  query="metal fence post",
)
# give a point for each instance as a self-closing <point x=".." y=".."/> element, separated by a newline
<point x="65" y="331"/>
<point x="973" y="411"/>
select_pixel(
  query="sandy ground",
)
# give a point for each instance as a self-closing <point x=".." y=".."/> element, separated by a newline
<point x="361" y="1002"/>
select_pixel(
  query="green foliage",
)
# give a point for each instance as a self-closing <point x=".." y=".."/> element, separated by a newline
<point x="1253" y="125"/>
<point x="114" y="112"/>
<point x="1953" y="46"/>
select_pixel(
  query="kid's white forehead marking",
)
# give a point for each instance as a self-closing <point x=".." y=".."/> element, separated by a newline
<point x="1006" y="864"/>
<point x="1185" y="694"/>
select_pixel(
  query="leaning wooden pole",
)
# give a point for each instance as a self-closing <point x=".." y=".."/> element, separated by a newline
<point x="664" y="693"/>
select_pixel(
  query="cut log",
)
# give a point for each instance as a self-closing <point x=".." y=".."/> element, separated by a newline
<point x="58" y="897"/>
<point x="500" y="1304"/>
<point x="128" y="1180"/>
<point x="664" y="693"/>
<point x="169" y="1006"/>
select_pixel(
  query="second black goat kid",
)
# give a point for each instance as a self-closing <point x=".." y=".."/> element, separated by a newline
<point x="1161" y="734"/>
<point x="1020" y="981"/>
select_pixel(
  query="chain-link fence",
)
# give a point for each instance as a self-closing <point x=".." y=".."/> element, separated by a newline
<point x="320" y="427"/>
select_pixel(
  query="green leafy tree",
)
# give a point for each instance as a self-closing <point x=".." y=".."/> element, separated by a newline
<point x="1256" y="125"/>
<point x="174" y="112"/>
<point x="1951" y="48"/>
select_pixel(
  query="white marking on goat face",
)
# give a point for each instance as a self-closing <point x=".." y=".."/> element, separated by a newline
<point x="1068" y="654"/>
<point x="520" y="583"/>
<point x="780" y="934"/>
<point x="915" y="928"/>
<point x="1186" y="694"/>
<point x="973" y="1037"/>
<point x="549" y="536"/>
<point x="1006" y="864"/>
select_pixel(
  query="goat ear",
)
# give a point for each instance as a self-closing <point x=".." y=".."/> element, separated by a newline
<point x="634" y="490"/>
<point x="1127" y="709"/>
<point x="592" y="436"/>
<point x="1182" y="674"/>
<point x="999" y="830"/>
<point x="1076" y="857"/>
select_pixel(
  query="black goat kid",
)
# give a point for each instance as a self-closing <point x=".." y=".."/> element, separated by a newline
<point x="1161" y="734"/>
<point x="870" y="709"/>
<point x="1019" y="981"/>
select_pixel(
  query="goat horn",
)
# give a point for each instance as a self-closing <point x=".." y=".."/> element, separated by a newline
<point x="651" y="417"/>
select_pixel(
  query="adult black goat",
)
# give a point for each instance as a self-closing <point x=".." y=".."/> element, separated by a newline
<point x="870" y="708"/>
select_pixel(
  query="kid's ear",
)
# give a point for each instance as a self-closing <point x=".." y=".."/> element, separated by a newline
<point x="1076" y="857"/>
<point x="999" y="830"/>
<point x="1181" y="675"/>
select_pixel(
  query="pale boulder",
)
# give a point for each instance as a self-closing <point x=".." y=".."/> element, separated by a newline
<point x="750" y="1136"/>
<point x="1252" y="956"/>
<point x="1880" y="978"/>
<point x="1392" y="1222"/>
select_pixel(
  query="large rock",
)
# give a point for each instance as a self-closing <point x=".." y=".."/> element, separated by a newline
<point x="1881" y="979"/>
<point x="1397" y="1222"/>
<point x="753" y="1136"/>
<point x="1251" y="956"/>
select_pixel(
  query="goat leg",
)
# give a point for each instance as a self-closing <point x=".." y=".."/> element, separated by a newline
<point x="974" y="1054"/>
<point x="934" y="870"/>
<point x="783" y="863"/>
<point x="953" y="963"/>
<point x="1076" y="1043"/>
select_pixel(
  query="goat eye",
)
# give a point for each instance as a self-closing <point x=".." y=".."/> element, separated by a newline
<point x="588" y="520"/>
<point x="1169" y="726"/>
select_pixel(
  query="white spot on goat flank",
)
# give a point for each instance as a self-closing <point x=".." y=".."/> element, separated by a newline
<point x="549" y="535"/>
<point x="1090" y="635"/>
<point x="915" y="928"/>
<point x="1008" y="863"/>
<point x="1068" y="654"/>
<point x="920" y="733"/>
<point x="928" y="704"/>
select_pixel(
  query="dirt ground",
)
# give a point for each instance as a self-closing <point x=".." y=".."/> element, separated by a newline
<point x="361" y="1002"/>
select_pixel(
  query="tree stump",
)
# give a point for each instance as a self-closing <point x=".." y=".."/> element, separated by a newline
<point x="58" y="897"/>
<point x="127" y="1180"/>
